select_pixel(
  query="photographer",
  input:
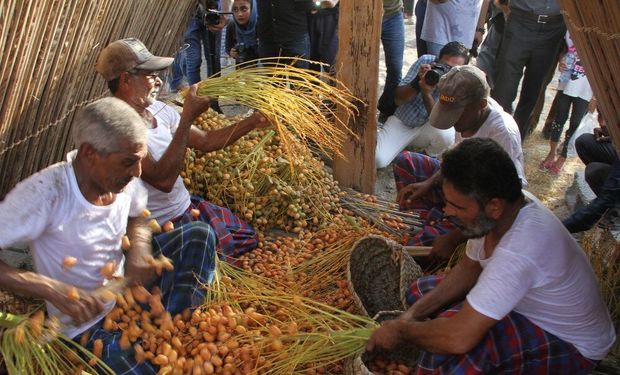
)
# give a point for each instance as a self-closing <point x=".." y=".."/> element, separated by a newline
<point x="415" y="98"/>
<point x="202" y="33"/>
<point x="241" y="40"/>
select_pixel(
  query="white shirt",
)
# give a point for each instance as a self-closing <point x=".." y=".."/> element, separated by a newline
<point x="48" y="212"/>
<point x="451" y="21"/>
<point x="503" y="129"/>
<point x="538" y="270"/>
<point x="165" y="206"/>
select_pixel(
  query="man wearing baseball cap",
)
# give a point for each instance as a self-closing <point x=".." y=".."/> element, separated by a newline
<point x="464" y="104"/>
<point x="132" y="73"/>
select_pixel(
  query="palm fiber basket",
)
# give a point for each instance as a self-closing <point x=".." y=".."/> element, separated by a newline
<point x="359" y="365"/>
<point x="380" y="274"/>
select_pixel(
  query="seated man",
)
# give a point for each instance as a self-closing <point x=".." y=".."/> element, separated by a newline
<point x="602" y="175"/>
<point x="530" y="300"/>
<point x="132" y="75"/>
<point x="464" y="103"/>
<point x="81" y="208"/>
<point x="415" y="100"/>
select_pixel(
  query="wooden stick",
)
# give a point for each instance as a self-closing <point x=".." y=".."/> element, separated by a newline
<point x="418" y="251"/>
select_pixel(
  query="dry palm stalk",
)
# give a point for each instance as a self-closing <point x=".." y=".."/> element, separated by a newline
<point x="383" y="214"/>
<point x="300" y="103"/>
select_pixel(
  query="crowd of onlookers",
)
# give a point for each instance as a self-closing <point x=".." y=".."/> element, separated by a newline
<point x="512" y="42"/>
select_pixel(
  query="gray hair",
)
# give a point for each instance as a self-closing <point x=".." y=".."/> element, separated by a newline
<point x="106" y="122"/>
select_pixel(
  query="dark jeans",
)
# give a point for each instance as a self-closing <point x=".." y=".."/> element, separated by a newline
<point x="198" y="36"/>
<point x="598" y="158"/>
<point x="323" y="30"/>
<point x="408" y="7"/>
<point x="299" y="47"/>
<point x="393" y="40"/>
<point x="420" y="12"/>
<point x="563" y="105"/>
<point x="529" y="45"/>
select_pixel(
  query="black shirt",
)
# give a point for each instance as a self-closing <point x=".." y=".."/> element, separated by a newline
<point x="282" y="20"/>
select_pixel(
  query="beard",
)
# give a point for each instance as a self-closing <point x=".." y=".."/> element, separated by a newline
<point x="480" y="228"/>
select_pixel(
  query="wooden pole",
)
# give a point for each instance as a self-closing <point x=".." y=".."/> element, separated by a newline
<point x="359" y="31"/>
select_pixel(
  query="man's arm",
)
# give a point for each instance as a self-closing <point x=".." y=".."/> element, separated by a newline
<point x="32" y="284"/>
<point x="455" y="335"/>
<point x="217" y="139"/>
<point x="137" y="268"/>
<point x="405" y="92"/>
<point x="163" y="173"/>
<point x="417" y="190"/>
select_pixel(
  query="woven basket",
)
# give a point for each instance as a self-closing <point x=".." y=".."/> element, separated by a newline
<point x="407" y="354"/>
<point x="380" y="274"/>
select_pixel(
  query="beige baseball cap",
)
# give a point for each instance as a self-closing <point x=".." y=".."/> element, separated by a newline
<point x="457" y="88"/>
<point x="127" y="54"/>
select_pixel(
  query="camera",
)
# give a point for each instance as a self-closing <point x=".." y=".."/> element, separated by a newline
<point x="212" y="16"/>
<point x="241" y="52"/>
<point x="432" y="76"/>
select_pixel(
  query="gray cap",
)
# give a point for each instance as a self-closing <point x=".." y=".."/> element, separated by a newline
<point x="127" y="54"/>
<point x="461" y="86"/>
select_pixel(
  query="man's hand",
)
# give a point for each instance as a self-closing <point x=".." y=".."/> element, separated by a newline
<point x="601" y="134"/>
<point x="194" y="105"/>
<point x="259" y="120"/>
<point x="425" y="89"/>
<point x="233" y="53"/>
<point x="387" y="337"/>
<point x="412" y="192"/>
<point x="444" y="245"/>
<point x="562" y="66"/>
<point x="86" y="308"/>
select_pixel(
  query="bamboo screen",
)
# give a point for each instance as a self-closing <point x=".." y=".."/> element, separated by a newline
<point x="48" y="50"/>
<point x="594" y="26"/>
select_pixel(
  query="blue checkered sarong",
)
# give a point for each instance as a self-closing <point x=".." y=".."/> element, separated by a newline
<point x="514" y="345"/>
<point x="192" y="250"/>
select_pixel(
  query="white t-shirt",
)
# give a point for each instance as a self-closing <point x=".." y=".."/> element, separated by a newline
<point x="538" y="270"/>
<point x="165" y="206"/>
<point x="48" y="212"/>
<point x="451" y="21"/>
<point x="573" y="81"/>
<point x="503" y="129"/>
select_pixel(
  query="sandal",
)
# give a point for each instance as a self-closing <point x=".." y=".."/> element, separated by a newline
<point x="556" y="168"/>
<point x="546" y="164"/>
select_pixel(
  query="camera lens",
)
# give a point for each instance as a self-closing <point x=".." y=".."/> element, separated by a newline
<point x="431" y="77"/>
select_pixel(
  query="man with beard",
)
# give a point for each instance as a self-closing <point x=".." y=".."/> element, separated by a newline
<point x="464" y="104"/>
<point x="521" y="300"/>
<point x="132" y="73"/>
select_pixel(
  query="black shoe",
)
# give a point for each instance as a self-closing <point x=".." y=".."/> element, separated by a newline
<point x="382" y="117"/>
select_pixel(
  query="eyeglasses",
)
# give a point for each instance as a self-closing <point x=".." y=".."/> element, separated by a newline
<point x="148" y="74"/>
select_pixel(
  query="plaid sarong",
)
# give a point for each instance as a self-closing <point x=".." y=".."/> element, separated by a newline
<point x="514" y="345"/>
<point x="234" y="236"/>
<point x="412" y="167"/>
<point x="192" y="250"/>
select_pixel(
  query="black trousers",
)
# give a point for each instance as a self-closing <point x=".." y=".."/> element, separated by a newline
<point x="579" y="109"/>
<point x="531" y="46"/>
<point x="598" y="158"/>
